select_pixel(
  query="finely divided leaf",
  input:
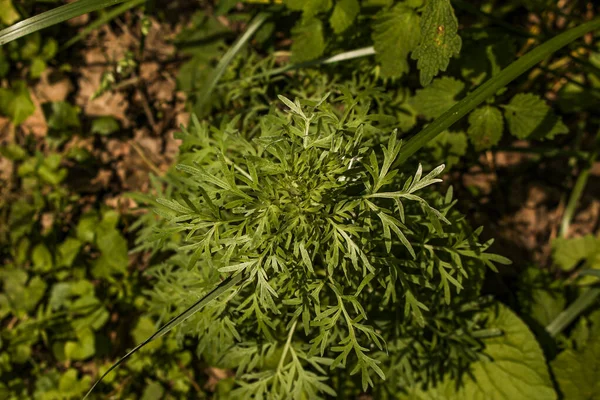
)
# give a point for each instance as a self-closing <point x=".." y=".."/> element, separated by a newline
<point x="433" y="100"/>
<point x="396" y="33"/>
<point x="343" y="15"/>
<point x="439" y="39"/>
<point x="485" y="127"/>
<point x="529" y="116"/>
<point x="308" y="41"/>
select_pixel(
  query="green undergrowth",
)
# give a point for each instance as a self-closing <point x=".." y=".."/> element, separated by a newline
<point x="312" y="239"/>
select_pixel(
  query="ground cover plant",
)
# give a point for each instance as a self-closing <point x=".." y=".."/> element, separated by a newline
<point x="370" y="199"/>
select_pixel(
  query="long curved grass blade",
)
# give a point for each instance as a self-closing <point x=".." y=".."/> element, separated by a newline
<point x="107" y="17"/>
<point x="491" y="86"/>
<point x="52" y="17"/>
<point x="166" y="328"/>
<point x="563" y="319"/>
<point x="213" y="79"/>
<point x="348" y="55"/>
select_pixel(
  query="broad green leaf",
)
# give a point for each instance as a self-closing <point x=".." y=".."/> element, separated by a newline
<point x="308" y="40"/>
<point x="105" y="125"/>
<point x="567" y="253"/>
<point x="514" y="369"/>
<point x="396" y="33"/>
<point x="344" y="14"/>
<point x="61" y="115"/>
<point x="546" y="306"/>
<point x="310" y="8"/>
<point x="529" y="117"/>
<point x="86" y="227"/>
<point x="16" y="104"/>
<point x="439" y="39"/>
<point x="37" y="67"/>
<point x="485" y="127"/>
<point x="67" y="251"/>
<point x="449" y="146"/>
<point x="42" y="258"/>
<point x="113" y="248"/>
<point x="433" y="100"/>
<point x="577" y="372"/>
<point x="84" y="347"/>
<point x="8" y="13"/>
<point x="69" y="386"/>
<point x="153" y="391"/>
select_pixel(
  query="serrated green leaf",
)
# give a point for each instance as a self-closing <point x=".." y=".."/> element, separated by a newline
<point x="439" y="40"/>
<point x="16" y="104"/>
<point x="485" y="127"/>
<point x="433" y="100"/>
<point x="577" y="372"/>
<point x="310" y="8"/>
<point x="396" y="33"/>
<point x="344" y="14"/>
<point x="308" y="40"/>
<point x="529" y="117"/>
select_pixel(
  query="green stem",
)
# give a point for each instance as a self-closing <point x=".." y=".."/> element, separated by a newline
<point x="565" y="318"/>
<point x="575" y="197"/>
<point x="53" y="17"/>
<point x="286" y="348"/>
<point x="491" y="86"/>
<point x="223" y="287"/>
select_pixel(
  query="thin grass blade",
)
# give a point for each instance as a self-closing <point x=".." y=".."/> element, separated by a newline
<point x="53" y="17"/>
<point x="491" y="86"/>
<point x="213" y="79"/>
<point x="223" y="287"/>
<point x="107" y="17"/>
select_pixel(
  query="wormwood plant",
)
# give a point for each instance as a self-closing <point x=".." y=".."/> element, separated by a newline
<point x="346" y="264"/>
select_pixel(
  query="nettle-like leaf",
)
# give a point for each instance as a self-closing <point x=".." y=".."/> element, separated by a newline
<point x="529" y="117"/>
<point x="308" y="40"/>
<point x="438" y="97"/>
<point x="512" y="368"/>
<point x="344" y="14"/>
<point x="326" y="238"/>
<point x="439" y="39"/>
<point x="577" y="371"/>
<point x="485" y="127"/>
<point x="396" y="32"/>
